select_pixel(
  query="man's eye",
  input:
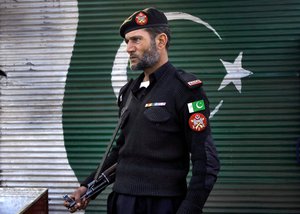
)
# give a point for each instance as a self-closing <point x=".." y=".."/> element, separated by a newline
<point x="137" y="40"/>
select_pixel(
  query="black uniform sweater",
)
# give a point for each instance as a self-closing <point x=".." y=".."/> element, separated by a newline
<point x="156" y="141"/>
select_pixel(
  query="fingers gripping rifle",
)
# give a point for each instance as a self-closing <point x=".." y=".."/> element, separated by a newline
<point x="96" y="186"/>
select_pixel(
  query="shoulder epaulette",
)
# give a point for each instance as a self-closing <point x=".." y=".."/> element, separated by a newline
<point x="188" y="79"/>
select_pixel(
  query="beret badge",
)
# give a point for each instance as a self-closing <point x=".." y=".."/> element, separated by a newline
<point x="141" y="19"/>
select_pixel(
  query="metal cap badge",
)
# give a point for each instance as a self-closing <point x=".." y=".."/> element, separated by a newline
<point x="141" y="19"/>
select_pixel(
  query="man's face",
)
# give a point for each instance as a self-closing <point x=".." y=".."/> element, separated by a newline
<point x="141" y="49"/>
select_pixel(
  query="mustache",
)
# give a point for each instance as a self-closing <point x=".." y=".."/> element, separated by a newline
<point x="133" y="56"/>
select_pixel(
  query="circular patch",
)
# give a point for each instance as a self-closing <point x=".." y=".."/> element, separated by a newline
<point x="141" y="19"/>
<point x="197" y="122"/>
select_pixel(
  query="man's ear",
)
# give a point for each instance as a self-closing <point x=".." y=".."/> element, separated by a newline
<point x="161" y="40"/>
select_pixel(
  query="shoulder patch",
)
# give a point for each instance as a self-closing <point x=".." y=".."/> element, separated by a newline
<point x="188" y="79"/>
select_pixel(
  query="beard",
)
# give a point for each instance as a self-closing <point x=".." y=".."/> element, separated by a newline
<point x="149" y="58"/>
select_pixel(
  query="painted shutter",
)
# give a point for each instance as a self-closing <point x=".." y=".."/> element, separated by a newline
<point x="47" y="125"/>
<point x="36" y="44"/>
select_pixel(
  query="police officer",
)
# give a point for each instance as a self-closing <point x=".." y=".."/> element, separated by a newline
<point x="166" y="126"/>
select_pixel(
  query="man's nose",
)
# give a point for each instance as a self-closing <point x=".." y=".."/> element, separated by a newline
<point x="130" y="47"/>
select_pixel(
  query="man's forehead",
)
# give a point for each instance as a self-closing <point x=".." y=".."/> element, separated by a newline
<point x="137" y="33"/>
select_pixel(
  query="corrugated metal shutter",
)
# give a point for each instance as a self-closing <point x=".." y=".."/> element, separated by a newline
<point x="255" y="129"/>
<point x="36" y="44"/>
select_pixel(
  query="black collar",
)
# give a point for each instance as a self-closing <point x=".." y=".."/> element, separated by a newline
<point x="154" y="77"/>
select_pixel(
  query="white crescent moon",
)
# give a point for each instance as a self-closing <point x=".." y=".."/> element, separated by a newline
<point x="199" y="106"/>
<point x="119" y="69"/>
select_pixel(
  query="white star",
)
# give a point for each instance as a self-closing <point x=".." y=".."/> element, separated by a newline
<point x="234" y="73"/>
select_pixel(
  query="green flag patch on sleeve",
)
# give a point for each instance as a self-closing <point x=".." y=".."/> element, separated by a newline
<point x="196" y="106"/>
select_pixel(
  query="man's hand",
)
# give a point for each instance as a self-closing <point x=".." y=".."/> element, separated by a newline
<point x="80" y="203"/>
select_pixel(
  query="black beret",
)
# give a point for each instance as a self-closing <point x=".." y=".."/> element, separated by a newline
<point x="149" y="17"/>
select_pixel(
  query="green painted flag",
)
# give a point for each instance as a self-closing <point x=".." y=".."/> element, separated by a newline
<point x="198" y="105"/>
<point x="241" y="50"/>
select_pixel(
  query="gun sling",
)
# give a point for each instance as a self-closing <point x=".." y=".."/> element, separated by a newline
<point x="109" y="146"/>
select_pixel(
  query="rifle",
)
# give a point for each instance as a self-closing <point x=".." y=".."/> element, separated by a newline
<point x="102" y="180"/>
<point x="96" y="186"/>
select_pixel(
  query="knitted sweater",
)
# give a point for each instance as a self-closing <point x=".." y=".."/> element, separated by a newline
<point x="157" y="141"/>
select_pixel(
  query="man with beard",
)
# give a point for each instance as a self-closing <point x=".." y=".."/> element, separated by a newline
<point x="166" y="126"/>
